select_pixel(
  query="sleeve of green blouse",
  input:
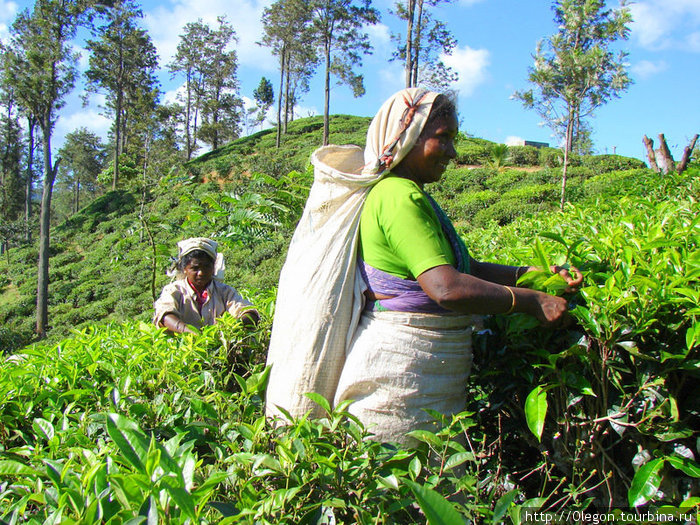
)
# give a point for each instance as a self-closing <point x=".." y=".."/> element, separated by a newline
<point x="414" y="233"/>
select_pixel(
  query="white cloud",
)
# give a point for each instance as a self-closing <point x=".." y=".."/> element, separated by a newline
<point x="304" y="111"/>
<point x="513" y="140"/>
<point x="647" y="68"/>
<point x="165" y="24"/>
<point x="7" y="10"/>
<point x="89" y="118"/>
<point x="379" y="35"/>
<point x="471" y="65"/>
<point x="662" y="24"/>
<point x="172" y="95"/>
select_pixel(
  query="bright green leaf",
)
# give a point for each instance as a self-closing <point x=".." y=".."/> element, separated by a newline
<point x="503" y="504"/>
<point x="645" y="483"/>
<point x="437" y="510"/>
<point x="687" y="465"/>
<point x="536" y="410"/>
<point x="15" y="468"/>
<point x="319" y="400"/>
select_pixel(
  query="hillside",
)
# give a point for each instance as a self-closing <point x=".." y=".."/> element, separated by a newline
<point x="119" y="421"/>
<point x="109" y="259"/>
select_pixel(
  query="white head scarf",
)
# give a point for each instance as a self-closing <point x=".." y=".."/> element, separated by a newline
<point x="395" y="128"/>
<point x="206" y="245"/>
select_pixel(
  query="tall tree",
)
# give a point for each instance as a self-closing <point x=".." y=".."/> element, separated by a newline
<point x="187" y="61"/>
<point x="289" y="33"/>
<point x="264" y="96"/>
<point x="122" y="63"/>
<point x="426" y="40"/>
<point x="337" y="26"/>
<point x="7" y="93"/>
<point x="575" y="70"/>
<point x="221" y="105"/>
<point x="11" y="184"/>
<point x="42" y="66"/>
<point x="82" y="159"/>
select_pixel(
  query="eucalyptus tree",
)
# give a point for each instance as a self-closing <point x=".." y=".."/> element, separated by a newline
<point x="41" y="66"/>
<point x="220" y="101"/>
<point x="576" y="71"/>
<point x="264" y="96"/>
<point x="337" y="26"/>
<point x="11" y="183"/>
<point x="187" y="62"/>
<point x="82" y="159"/>
<point x="7" y="82"/>
<point x="287" y="30"/>
<point x="122" y="63"/>
<point x="426" y="40"/>
<point x="211" y="103"/>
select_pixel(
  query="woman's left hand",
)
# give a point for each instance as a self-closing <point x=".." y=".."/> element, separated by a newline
<point x="571" y="275"/>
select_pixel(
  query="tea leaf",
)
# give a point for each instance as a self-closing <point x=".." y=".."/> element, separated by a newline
<point x="645" y="483"/>
<point x="503" y="504"/>
<point x="437" y="510"/>
<point x="536" y="411"/>
<point x="687" y="465"/>
<point x="43" y="428"/>
<point x="319" y="400"/>
<point x="15" y="468"/>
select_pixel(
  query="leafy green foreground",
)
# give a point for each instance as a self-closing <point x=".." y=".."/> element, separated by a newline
<point x="124" y="423"/>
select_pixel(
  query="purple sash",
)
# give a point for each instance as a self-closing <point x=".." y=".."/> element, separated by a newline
<point x="408" y="295"/>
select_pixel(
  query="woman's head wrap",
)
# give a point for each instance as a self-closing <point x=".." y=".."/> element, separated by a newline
<point x="208" y="246"/>
<point x="396" y="127"/>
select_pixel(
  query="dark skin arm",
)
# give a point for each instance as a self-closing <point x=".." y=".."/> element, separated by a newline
<point x="472" y="294"/>
<point x="173" y="323"/>
<point x="250" y="318"/>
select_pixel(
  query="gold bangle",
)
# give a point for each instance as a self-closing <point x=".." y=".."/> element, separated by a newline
<point x="512" y="306"/>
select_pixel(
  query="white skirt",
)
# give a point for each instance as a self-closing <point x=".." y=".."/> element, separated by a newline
<point x="399" y="364"/>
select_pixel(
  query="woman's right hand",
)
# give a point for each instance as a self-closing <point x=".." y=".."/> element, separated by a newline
<point x="547" y="309"/>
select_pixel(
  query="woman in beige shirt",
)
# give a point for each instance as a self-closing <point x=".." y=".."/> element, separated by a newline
<point x="198" y="297"/>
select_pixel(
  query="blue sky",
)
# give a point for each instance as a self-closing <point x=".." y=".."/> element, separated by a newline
<point x="496" y="40"/>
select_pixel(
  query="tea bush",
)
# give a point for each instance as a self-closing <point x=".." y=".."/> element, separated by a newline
<point x="612" y="409"/>
<point x="605" y="163"/>
<point x="524" y="155"/>
<point x="124" y="422"/>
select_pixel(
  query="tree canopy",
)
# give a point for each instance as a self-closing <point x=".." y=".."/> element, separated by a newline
<point x="575" y="70"/>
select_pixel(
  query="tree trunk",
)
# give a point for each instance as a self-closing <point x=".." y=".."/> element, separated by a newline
<point x="42" y="291"/>
<point x="31" y="123"/>
<point x="687" y="152"/>
<point x="567" y="145"/>
<point x="117" y="136"/>
<point x="283" y="60"/>
<point x="326" y="103"/>
<point x="215" y="122"/>
<point x="75" y="195"/>
<point x="418" y="31"/>
<point x="286" y="101"/>
<point x="188" y="113"/>
<point x="666" y="156"/>
<point x="649" y="145"/>
<point x="411" y="9"/>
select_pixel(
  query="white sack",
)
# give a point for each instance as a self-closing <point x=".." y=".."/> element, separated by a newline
<point x="319" y="297"/>
<point x="320" y="293"/>
<point x="399" y="364"/>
